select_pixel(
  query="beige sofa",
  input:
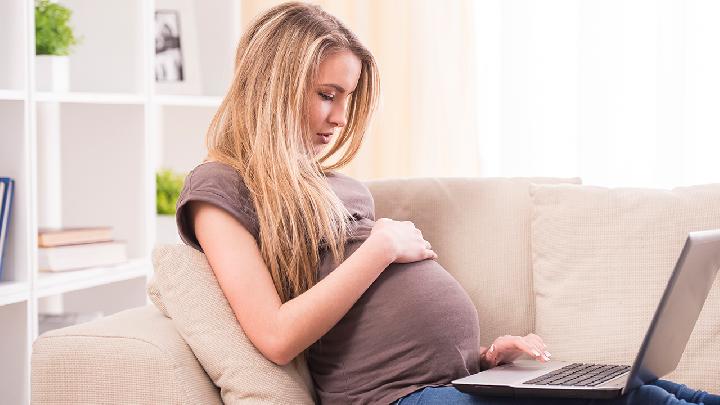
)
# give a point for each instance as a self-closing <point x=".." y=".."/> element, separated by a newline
<point x="506" y="240"/>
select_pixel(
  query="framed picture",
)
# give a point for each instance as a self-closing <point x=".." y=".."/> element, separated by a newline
<point x="177" y="68"/>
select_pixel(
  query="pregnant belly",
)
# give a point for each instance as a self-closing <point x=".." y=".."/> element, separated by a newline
<point x="414" y="324"/>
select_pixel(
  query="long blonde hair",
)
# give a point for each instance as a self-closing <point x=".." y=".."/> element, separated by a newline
<point x="262" y="130"/>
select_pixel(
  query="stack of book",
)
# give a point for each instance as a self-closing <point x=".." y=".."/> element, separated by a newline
<point x="61" y="249"/>
<point x="7" y="188"/>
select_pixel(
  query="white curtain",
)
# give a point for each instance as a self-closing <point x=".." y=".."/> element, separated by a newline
<point x="620" y="93"/>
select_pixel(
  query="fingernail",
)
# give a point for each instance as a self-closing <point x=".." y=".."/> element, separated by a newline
<point x="548" y="354"/>
<point x="536" y="353"/>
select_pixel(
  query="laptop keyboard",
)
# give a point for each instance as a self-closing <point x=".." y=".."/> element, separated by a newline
<point x="580" y="374"/>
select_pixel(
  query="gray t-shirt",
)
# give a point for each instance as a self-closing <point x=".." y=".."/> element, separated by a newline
<point x="414" y="327"/>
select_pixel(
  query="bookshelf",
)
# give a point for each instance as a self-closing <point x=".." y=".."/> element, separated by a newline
<point x="116" y="129"/>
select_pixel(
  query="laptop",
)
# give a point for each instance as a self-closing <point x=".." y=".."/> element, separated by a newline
<point x="659" y="354"/>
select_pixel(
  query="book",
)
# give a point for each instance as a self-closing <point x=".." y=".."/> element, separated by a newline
<point x="74" y="257"/>
<point x="8" y="186"/>
<point x="49" y="237"/>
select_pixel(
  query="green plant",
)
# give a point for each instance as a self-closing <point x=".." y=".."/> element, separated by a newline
<point x="53" y="35"/>
<point x="168" y="185"/>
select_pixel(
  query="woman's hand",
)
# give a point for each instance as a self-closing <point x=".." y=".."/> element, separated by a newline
<point x="507" y="349"/>
<point x="405" y="240"/>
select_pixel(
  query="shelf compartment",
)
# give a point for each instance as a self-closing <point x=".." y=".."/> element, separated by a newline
<point x="90" y="98"/>
<point x="103" y="187"/>
<point x="210" y="52"/>
<point x="181" y="136"/>
<point x="49" y="283"/>
<point x="109" y="57"/>
<point x="12" y="292"/>
<point x="13" y="152"/>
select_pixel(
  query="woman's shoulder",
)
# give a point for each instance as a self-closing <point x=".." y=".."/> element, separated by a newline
<point x="218" y="184"/>
<point x="212" y="168"/>
<point x="213" y="172"/>
<point x="215" y="178"/>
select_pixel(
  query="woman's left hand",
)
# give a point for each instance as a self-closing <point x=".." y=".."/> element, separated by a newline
<point x="507" y="349"/>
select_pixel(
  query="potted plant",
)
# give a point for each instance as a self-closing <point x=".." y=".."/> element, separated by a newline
<point x="53" y="41"/>
<point x="168" y="186"/>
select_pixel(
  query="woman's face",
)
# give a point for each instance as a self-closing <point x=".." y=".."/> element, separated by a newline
<point x="337" y="78"/>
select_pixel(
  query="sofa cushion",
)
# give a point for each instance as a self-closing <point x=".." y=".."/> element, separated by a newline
<point x="193" y="299"/>
<point x="601" y="260"/>
<point x="480" y="229"/>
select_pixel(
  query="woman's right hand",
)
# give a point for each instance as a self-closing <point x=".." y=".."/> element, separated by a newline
<point x="407" y="241"/>
<point x="507" y="349"/>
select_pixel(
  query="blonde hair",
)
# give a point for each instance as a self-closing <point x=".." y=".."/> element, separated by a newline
<point x="261" y="129"/>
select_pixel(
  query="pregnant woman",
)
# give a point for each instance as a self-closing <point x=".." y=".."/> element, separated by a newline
<point x="295" y="246"/>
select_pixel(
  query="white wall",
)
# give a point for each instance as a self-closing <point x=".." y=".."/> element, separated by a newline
<point x="621" y="93"/>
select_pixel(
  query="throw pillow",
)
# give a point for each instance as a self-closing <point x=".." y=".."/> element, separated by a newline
<point x="601" y="260"/>
<point x="191" y="296"/>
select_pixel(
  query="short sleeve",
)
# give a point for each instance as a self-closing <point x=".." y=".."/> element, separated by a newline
<point x="218" y="184"/>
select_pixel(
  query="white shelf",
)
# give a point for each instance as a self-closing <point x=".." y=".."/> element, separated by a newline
<point x="12" y="292"/>
<point x="91" y="98"/>
<point x="190" y="101"/>
<point x="12" y="95"/>
<point x="49" y="283"/>
<point x="100" y="144"/>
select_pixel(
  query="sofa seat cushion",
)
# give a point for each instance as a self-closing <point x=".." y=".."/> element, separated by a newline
<point x="601" y="260"/>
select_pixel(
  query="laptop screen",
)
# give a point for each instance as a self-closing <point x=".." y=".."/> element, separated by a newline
<point x="679" y="308"/>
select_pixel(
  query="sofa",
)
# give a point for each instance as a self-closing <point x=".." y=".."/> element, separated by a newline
<point x="582" y="266"/>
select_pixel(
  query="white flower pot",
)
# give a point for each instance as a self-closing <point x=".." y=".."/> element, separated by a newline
<point x="166" y="230"/>
<point x="52" y="73"/>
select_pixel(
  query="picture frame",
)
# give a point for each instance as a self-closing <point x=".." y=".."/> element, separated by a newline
<point x="177" y="67"/>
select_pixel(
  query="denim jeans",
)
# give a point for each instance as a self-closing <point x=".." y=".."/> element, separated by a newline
<point x="659" y="392"/>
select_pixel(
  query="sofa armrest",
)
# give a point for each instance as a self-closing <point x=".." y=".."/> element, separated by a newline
<point x="133" y="356"/>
